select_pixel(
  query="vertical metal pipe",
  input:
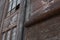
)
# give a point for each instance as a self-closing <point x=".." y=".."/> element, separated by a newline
<point x="21" y="20"/>
<point x="22" y="32"/>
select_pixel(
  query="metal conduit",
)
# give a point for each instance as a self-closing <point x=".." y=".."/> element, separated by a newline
<point x="21" y="20"/>
<point x="22" y="31"/>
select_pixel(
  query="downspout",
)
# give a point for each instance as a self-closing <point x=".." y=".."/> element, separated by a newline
<point x="22" y="32"/>
<point x="21" y="20"/>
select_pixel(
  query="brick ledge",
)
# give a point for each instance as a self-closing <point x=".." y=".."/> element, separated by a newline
<point x="44" y="16"/>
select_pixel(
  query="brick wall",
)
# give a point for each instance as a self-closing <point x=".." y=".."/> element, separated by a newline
<point x="40" y="5"/>
<point x="47" y="30"/>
